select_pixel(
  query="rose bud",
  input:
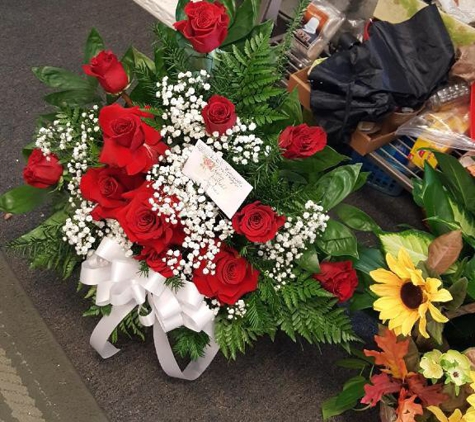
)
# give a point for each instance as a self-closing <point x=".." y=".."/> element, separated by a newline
<point x="302" y="141"/>
<point x="259" y="223"/>
<point x="219" y="115"/>
<point x="338" y="278"/>
<point x="206" y="27"/>
<point x="109" y="71"/>
<point x="42" y="171"/>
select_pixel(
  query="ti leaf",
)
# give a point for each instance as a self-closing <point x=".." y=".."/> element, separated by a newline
<point x="338" y="240"/>
<point x="336" y="185"/>
<point x="369" y="259"/>
<point x="72" y="98"/>
<point x="22" y="199"/>
<point x="244" y="21"/>
<point x="310" y="261"/>
<point x="346" y="400"/>
<point x="58" y="78"/>
<point x="457" y="180"/>
<point x="356" y="218"/>
<point x="415" y="242"/>
<point x="94" y="45"/>
<point x="458" y="290"/>
<point x="321" y="161"/>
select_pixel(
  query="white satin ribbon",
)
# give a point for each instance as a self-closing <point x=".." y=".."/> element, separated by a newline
<point x="120" y="284"/>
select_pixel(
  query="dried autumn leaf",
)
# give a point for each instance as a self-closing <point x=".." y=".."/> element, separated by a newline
<point x="407" y="410"/>
<point x="444" y="251"/>
<point x="381" y="385"/>
<point x="392" y="355"/>
<point x="430" y="395"/>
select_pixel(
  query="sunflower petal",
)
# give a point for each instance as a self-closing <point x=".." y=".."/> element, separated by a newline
<point x="386" y="290"/>
<point x="438" y="413"/>
<point x="423" y="327"/>
<point x="433" y="284"/>
<point x="386" y="277"/>
<point x="409" y="323"/>
<point x="436" y="314"/>
<point x="397" y="268"/>
<point x="442" y="295"/>
<point x="405" y="259"/>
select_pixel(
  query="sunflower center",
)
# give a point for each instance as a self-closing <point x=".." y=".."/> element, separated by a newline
<point x="411" y="295"/>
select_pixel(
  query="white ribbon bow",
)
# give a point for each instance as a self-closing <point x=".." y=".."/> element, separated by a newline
<point x="120" y="283"/>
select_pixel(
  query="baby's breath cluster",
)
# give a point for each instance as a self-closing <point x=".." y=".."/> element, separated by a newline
<point x="292" y="240"/>
<point x="79" y="230"/>
<point x="185" y="203"/>
<point x="45" y="137"/>
<point x="184" y="121"/>
<point x="184" y="102"/>
<point x="80" y="155"/>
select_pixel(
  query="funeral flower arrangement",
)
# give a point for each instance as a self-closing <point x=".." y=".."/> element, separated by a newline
<point x="423" y="290"/>
<point x="191" y="192"/>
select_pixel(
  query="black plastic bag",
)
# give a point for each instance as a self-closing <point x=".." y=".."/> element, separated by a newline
<point x="399" y="66"/>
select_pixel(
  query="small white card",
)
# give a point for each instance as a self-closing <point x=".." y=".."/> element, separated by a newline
<point x="224" y="185"/>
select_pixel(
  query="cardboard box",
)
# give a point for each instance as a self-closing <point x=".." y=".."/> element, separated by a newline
<point x="299" y="81"/>
<point x="363" y="143"/>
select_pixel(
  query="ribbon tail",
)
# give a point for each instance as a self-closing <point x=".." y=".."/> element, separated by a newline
<point x="105" y="328"/>
<point x="167" y="359"/>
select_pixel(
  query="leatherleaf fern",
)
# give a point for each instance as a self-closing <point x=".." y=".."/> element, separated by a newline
<point x="301" y="308"/>
<point x="247" y="76"/>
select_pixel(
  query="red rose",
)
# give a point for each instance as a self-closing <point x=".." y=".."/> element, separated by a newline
<point x="233" y="278"/>
<point x="143" y="225"/>
<point x="106" y="186"/>
<point x="302" y="141"/>
<point x="128" y="141"/>
<point x="109" y="71"/>
<point x="219" y="115"/>
<point x="157" y="261"/>
<point x="206" y="27"/>
<point x="259" y="223"/>
<point x="42" y="171"/>
<point x="338" y="278"/>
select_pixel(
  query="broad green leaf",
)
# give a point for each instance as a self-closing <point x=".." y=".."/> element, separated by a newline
<point x="22" y="199"/>
<point x="356" y="219"/>
<point x="321" y="161"/>
<point x="435" y="329"/>
<point x="415" y="242"/>
<point x="310" y="261"/>
<point x="72" y="98"/>
<point x="330" y="408"/>
<point x="244" y="21"/>
<point x="465" y="219"/>
<point x="231" y="8"/>
<point x="353" y="391"/>
<point x="459" y="293"/>
<point x="361" y="301"/>
<point x="470" y="274"/>
<point x="338" y="240"/>
<point x="336" y="185"/>
<point x="293" y="109"/>
<point x="141" y="60"/>
<point x="58" y="78"/>
<point x="38" y="232"/>
<point x="292" y="176"/>
<point x="418" y="191"/>
<point x="128" y="62"/>
<point x="369" y="259"/>
<point x="436" y="201"/>
<point x="94" y="45"/>
<point x="458" y="180"/>
<point x="180" y="14"/>
<point x="361" y="181"/>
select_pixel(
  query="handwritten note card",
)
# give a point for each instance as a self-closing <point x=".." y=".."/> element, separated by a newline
<point x="224" y="185"/>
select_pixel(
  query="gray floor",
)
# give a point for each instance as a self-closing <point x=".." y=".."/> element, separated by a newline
<point x="279" y="381"/>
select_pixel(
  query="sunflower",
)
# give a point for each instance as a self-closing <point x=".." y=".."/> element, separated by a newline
<point x="405" y="297"/>
<point x="457" y="416"/>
